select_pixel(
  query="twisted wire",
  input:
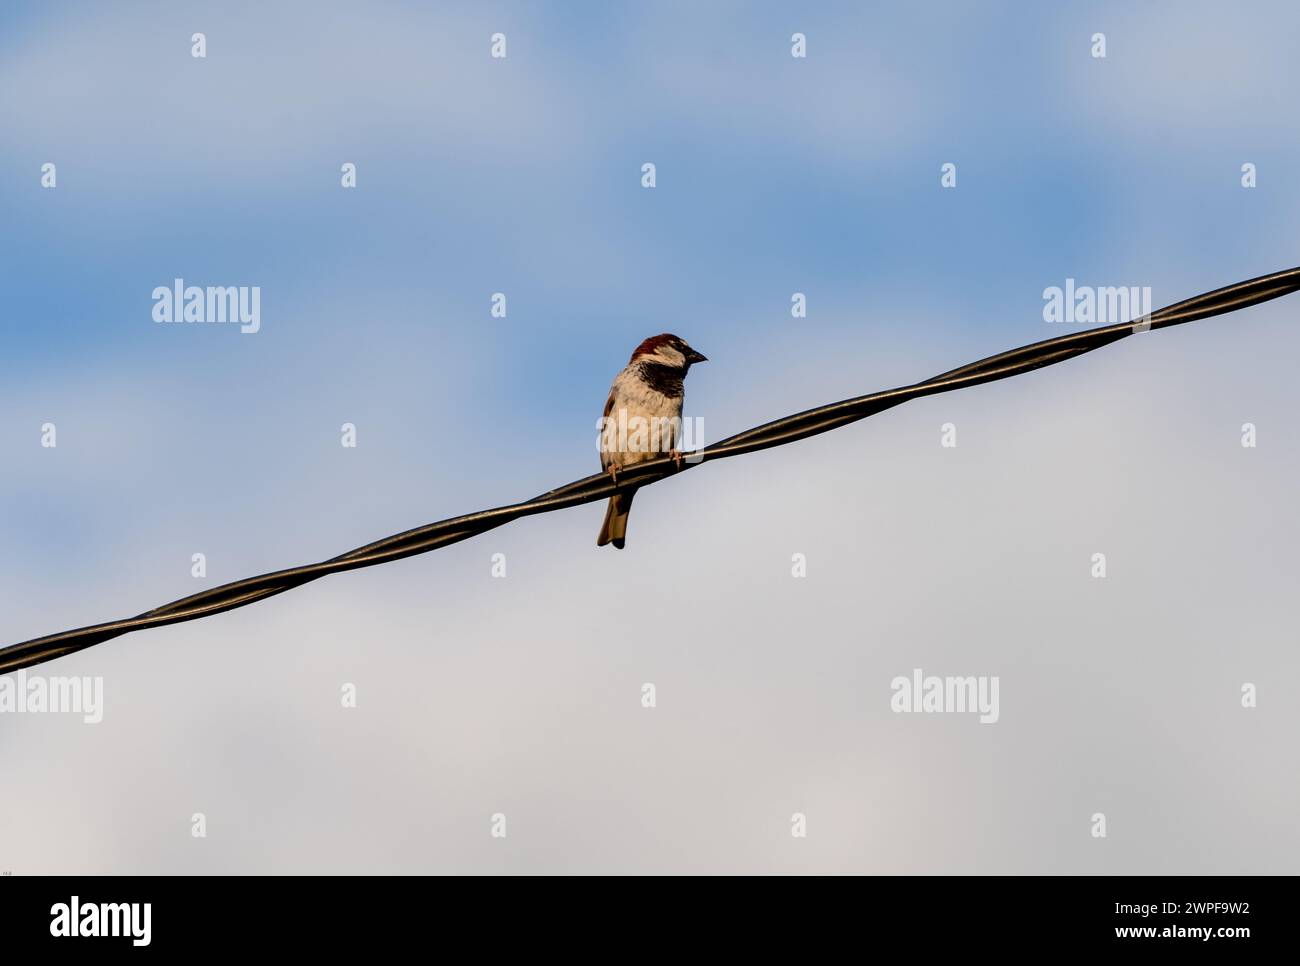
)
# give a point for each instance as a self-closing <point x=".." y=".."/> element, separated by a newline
<point x="599" y="486"/>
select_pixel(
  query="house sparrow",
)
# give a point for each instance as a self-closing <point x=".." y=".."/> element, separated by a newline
<point x="643" y="419"/>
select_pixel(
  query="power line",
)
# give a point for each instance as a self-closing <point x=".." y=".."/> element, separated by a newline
<point x="599" y="486"/>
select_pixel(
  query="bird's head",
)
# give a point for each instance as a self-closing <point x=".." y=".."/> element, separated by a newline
<point x="667" y="350"/>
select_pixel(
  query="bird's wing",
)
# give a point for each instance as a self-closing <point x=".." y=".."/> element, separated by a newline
<point x="605" y="450"/>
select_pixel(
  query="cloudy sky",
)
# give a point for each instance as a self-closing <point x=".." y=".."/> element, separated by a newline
<point x="479" y="696"/>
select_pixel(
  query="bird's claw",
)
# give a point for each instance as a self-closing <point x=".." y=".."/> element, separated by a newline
<point x="677" y="458"/>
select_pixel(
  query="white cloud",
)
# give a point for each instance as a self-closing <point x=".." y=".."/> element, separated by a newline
<point x="521" y="695"/>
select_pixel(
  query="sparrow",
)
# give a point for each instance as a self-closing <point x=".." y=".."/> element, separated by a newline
<point x="643" y="419"/>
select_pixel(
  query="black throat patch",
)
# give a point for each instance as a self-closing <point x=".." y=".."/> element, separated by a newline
<point x="662" y="378"/>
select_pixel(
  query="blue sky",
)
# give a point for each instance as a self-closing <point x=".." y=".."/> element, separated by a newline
<point x="522" y="175"/>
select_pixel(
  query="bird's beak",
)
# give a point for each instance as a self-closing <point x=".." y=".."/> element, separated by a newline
<point x="692" y="356"/>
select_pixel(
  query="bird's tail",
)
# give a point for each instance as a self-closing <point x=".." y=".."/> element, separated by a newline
<point x="614" y="529"/>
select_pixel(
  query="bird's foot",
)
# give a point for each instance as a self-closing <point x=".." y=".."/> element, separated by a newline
<point x="677" y="458"/>
<point x="613" y="474"/>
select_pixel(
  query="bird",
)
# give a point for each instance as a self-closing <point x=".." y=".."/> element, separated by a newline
<point x="642" y="419"/>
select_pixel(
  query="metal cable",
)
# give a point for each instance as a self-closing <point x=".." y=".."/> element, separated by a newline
<point x="599" y="486"/>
